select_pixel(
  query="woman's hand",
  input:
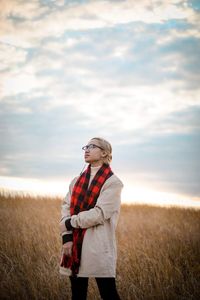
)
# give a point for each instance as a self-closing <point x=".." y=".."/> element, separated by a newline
<point x="67" y="248"/>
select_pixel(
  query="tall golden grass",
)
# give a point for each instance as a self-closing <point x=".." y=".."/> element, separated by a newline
<point x="158" y="251"/>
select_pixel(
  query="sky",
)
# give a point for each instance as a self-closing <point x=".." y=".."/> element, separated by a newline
<point x="127" y="71"/>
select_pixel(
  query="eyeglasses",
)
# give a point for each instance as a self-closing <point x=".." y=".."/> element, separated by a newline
<point x="91" y="146"/>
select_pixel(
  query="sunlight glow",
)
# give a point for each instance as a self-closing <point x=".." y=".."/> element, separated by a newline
<point x="130" y="194"/>
<point x="34" y="186"/>
<point x="141" y="194"/>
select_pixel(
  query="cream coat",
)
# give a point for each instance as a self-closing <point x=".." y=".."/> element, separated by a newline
<point x="99" y="253"/>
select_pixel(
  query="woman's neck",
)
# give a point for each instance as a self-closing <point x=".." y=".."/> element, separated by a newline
<point x="96" y="164"/>
<point x="94" y="170"/>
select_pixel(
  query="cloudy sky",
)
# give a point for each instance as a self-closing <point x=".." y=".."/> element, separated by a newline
<point x="128" y="71"/>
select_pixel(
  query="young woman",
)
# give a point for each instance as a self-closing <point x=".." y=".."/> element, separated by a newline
<point x="88" y="222"/>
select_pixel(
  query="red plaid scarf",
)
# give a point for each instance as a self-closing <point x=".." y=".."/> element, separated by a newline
<point x="84" y="199"/>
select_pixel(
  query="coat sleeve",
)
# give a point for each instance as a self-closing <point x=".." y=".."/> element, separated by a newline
<point x="65" y="208"/>
<point x="108" y="202"/>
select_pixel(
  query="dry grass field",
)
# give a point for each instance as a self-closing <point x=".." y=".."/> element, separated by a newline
<point x="158" y="252"/>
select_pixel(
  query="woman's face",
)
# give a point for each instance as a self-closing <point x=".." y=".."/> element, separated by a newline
<point x="93" y="154"/>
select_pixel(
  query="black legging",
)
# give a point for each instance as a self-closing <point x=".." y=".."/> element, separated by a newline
<point x="106" y="286"/>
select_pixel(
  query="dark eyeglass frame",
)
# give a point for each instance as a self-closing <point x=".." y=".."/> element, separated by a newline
<point x="91" y="146"/>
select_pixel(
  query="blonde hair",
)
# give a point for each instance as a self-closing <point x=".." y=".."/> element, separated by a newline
<point x="107" y="148"/>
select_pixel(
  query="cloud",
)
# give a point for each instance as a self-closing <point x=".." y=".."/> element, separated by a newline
<point x="11" y="56"/>
<point x="86" y="16"/>
<point x="41" y="143"/>
<point x="21" y="9"/>
<point x="98" y="55"/>
<point x="164" y="164"/>
<point x="142" y="93"/>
